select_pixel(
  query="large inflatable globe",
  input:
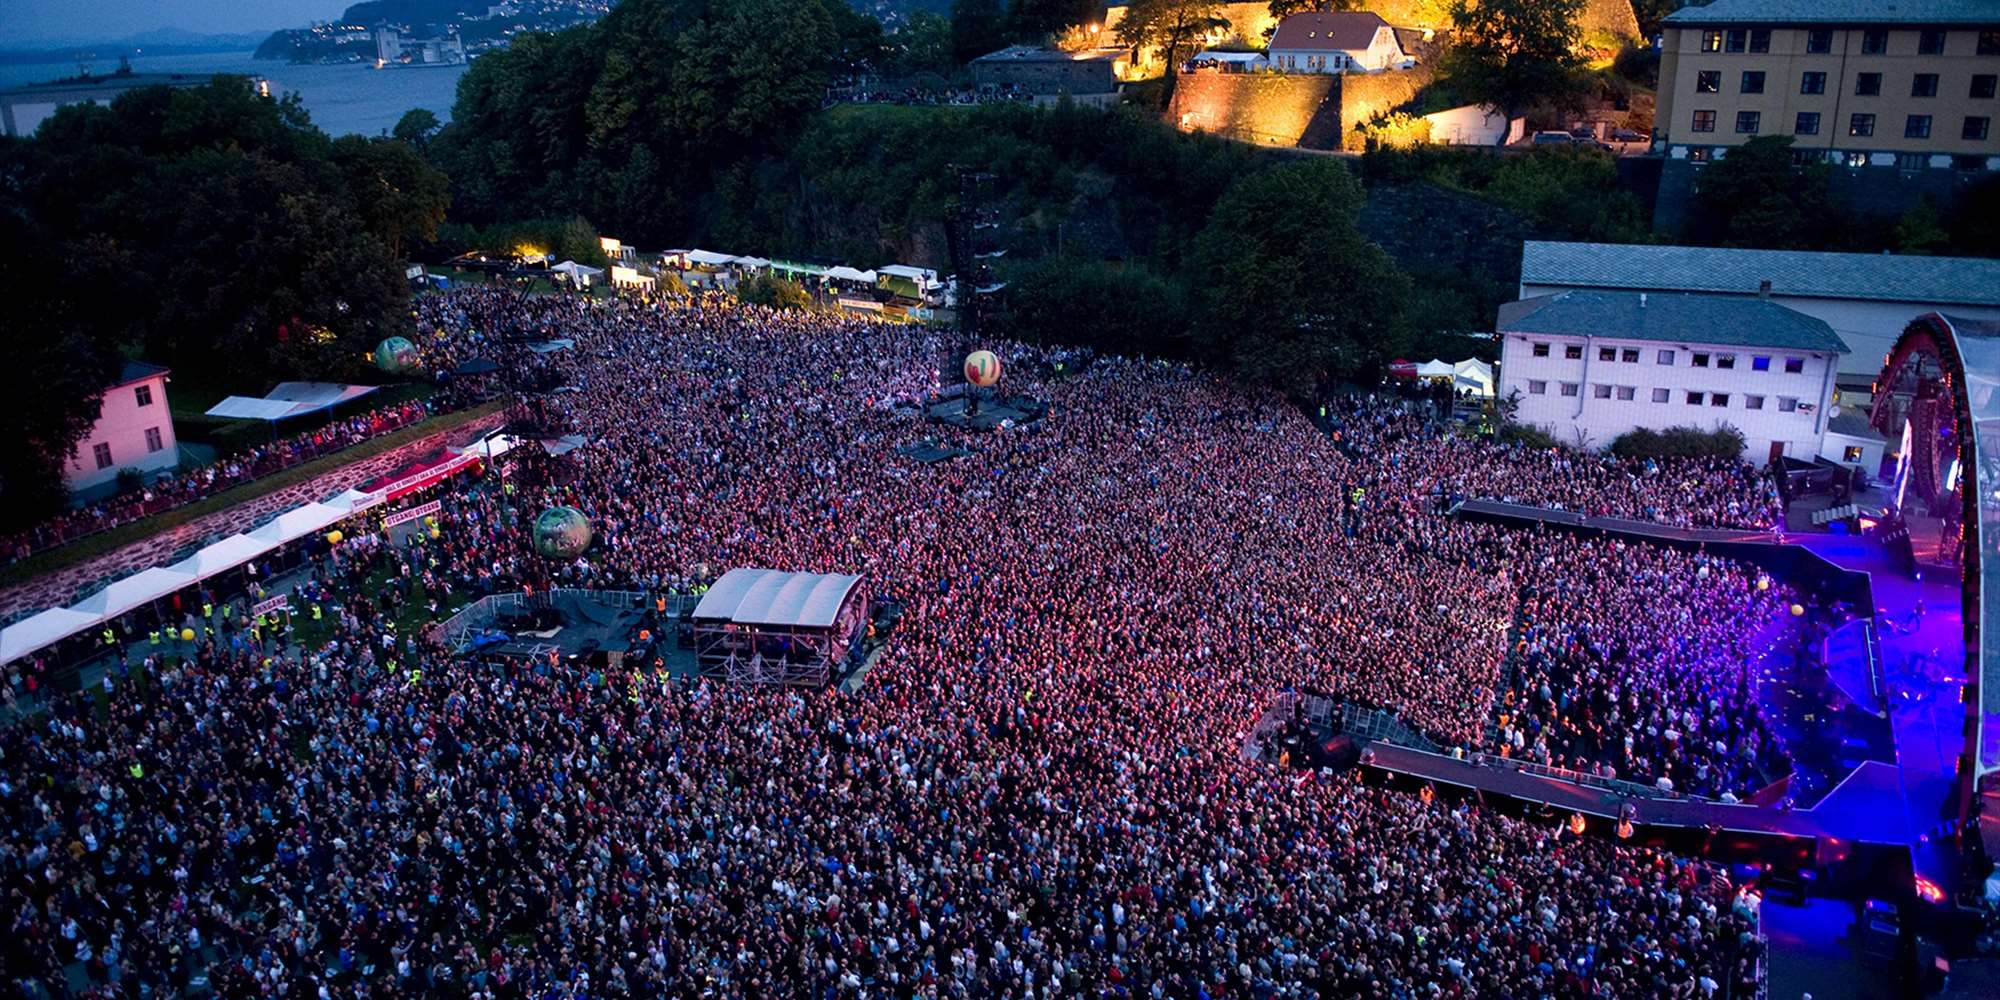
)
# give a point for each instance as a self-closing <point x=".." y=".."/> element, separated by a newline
<point x="562" y="533"/>
<point x="982" y="368"/>
<point x="395" y="355"/>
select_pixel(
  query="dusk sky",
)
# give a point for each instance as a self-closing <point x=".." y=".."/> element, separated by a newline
<point x="26" y="22"/>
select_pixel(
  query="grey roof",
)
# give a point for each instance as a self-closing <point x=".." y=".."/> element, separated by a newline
<point x="1043" y="54"/>
<point x="775" y="597"/>
<point x="1878" y="277"/>
<point x="1674" y="317"/>
<point x="1838" y="12"/>
<point x="136" y="371"/>
<point x="1854" y="424"/>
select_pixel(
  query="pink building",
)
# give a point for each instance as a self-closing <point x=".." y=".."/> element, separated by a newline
<point x="134" y="430"/>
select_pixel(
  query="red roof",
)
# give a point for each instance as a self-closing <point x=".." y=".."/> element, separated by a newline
<point x="1342" y="31"/>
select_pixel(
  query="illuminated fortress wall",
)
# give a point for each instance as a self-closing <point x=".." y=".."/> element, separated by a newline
<point x="1312" y="110"/>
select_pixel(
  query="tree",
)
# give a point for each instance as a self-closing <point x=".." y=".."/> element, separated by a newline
<point x="399" y="196"/>
<point x="1281" y="9"/>
<point x="1920" y="231"/>
<point x="977" y="27"/>
<point x="1034" y="20"/>
<point x="1756" y="197"/>
<point x="1175" y="27"/>
<point x="1124" y="310"/>
<point x="1288" y="289"/>
<point x="1514" y="55"/>
<point x="417" y="127"/>
<point x="776" y="292"/>
<point x="922" y="44"/>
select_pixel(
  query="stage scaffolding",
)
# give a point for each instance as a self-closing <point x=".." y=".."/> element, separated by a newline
<point x="761" y="626"/>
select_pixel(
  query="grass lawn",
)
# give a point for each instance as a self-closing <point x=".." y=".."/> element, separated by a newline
<point x="124" y="534"/>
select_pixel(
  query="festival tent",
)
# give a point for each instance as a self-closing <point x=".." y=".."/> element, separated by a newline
<point x="753" y="263"/>
<point x="32" y="633"/>
<point x="133" y="591"/>
<point x="1436" y="369"/>
<point x="1475" y="375"/>
<point x="581" y="274"/>
<point x="288" y="399"/>
<point x="708" y="258"/>
<point x="845" y="273"/>
<point x="299" y="522"/>
<point x="224" y="555"/>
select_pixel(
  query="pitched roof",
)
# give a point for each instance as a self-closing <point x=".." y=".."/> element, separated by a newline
<point x="1340" y="31"/>
<point x="136" y="371"/>
<point x="1044" y="54"/>
<point x="1976" y="12"/>
<point x="773" y="597"/>
<point x="1878" y="277"/>
<point x="1723" y="320"/>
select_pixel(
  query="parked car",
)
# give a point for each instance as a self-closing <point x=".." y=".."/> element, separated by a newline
<point x="1628" y="135"/>
<point x="1554" y="139"/>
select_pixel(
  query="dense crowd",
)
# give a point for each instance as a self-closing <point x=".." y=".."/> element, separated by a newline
<point x="1039" y="789"/>
<point x="205" y="481"/>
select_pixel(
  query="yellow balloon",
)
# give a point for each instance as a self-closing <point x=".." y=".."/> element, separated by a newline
<point x="187" y="635"/>
<point x="1798" y="609"/>
<point x="334" y="537"/>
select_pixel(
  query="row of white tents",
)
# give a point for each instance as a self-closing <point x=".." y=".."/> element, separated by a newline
<point x="56" y="624"/>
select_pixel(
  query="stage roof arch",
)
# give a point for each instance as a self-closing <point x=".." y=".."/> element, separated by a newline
<point x="1957" y="361"/>
<point x="768" y="597"/>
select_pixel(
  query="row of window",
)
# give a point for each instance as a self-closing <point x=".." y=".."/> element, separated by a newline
<point x="1819" y="41"/>
<point x="144" y="394"/>
<point x="1629" y="393"/>
<point x="101" y="452"/>
<point x="1972" y="128"/>
<point x="1982" y="86"/>
<point x="1700" y="359"/>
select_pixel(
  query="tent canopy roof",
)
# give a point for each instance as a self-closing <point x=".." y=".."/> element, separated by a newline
<point x="288" y="399"/>
<point x="775" y="597"/>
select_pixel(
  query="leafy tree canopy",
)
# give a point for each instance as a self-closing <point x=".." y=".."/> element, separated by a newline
<point x="1516" y="54"/>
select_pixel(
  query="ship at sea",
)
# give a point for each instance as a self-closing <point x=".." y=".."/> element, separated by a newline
<point x="395" y="50"/>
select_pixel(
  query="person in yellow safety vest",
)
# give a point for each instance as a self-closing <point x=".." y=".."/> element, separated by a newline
<point x="110" y="637"/>
<point x="153" y="637"/>
<point x="207" y="610"/>
<point x="138" y="770"/>
<point x="315" y="608"/>
<point x="414" y="676"/>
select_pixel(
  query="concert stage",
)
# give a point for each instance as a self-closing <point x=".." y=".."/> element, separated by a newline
<point x="993" y="411"/>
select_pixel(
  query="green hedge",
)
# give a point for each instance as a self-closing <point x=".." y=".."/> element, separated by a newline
<point x="1680" y="442"/>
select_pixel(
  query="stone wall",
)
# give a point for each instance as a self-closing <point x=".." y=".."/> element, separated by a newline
<point x="1269" y="109"/>
<point x="67" y="585"/>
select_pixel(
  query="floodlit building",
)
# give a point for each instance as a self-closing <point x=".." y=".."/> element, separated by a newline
<point x="1040" y="70"/>
<point x="1338" y="42"/>
<point x="134" y="430"/>
<point x="1909" y="84"/>
<point x="1589" y="366"/>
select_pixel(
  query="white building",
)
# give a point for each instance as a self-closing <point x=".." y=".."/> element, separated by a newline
<point x="1866" y="298"/>
<point x="1589" y="366"/>
<point x="134" y="430"/>
<point x="1338" y="42"/>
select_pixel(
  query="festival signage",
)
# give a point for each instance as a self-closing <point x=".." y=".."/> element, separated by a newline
<point x="405" y="516"/>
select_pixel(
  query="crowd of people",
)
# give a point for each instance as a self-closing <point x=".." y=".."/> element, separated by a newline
<point x="205" y="481"/>
<point x="1038" y="791"/>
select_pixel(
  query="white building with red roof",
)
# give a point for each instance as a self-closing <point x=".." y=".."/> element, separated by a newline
<point x="1337" y="42"/>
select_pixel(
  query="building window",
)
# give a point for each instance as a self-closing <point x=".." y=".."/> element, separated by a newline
<point x="1851" y="453"/>
<point x="1923" y="85"/>
<point x="1819" y="42"/>
<point x="1983" y="85"/>
<point x="1747" y="121"/>
<point x="1753" y="81"/>
<point x="1736" y="41"/>
<point x="1537" y="387"/>
<point x="1718" y="399"/>
<point x="1725" y="361"/>
<point x="1700" y="359"/>
<point x="1704" y="121"/>
<point x="1930" y="42"/>
<point x="1572" y="388"/>
<point x="1975" y="128"/>
<point x="1694" y="399"/>
<point x="102" y="454"/>
<point x="1867" y="84"/>
<point x="1541" y="350"/>
<point x="1711" y="41"/>
<point x="1855" y="159"/>
<point x="1917" y="127"/>
<point x="1861" y="125"/>
<point x="153" y="441"/>
<point x="1630" y="356"/>
<point x="1989" y="42"/>
<point x="1912" y="161"/>
<point x="1794" y="366"/>
<point x="1573" y="352"/>
<point x="1660" y="395"/>
<point x="1875" y="41"/>
<point x="1665" y="357"/>
<point x="1760" y="363"/>
<point x="1627" y="393"/>
<point x="144" y="394"/>
<point x="1601" y="391"/>
<point x="1788" y="404"/>
<point x="1807" y="123"/>
<point x="1812" y="83"/>
<point x="1700" y="154"/>
<point x="1760" y="39"/>
<point x="1753" y="402"/>
<point x="1607" y="354"/>
<point x="1708" y="81"/>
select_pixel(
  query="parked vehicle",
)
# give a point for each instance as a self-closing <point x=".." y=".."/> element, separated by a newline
<point x="1554" y="139"/>
<point x="1628" y="135"/>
